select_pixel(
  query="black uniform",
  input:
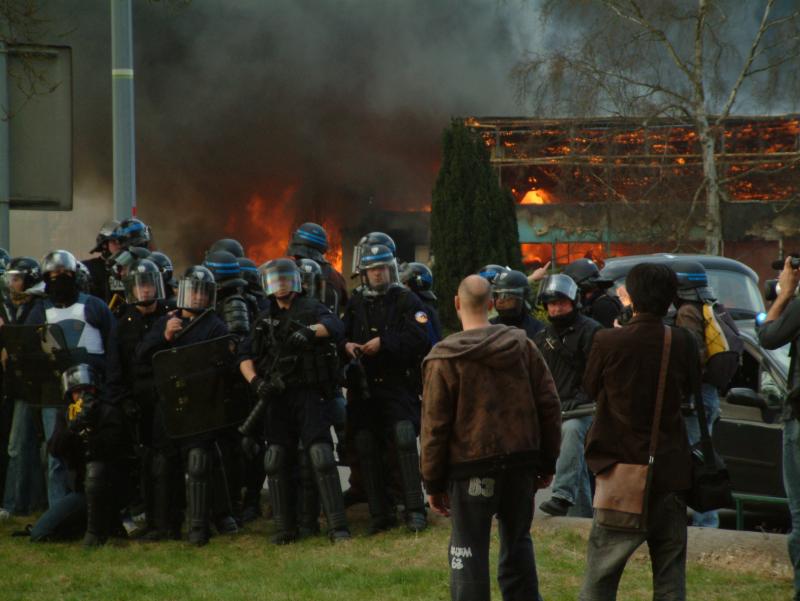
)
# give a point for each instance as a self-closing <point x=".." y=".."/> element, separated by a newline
<point x="99" y="285"/>
<point x="603" y="308"/>
<point x="392" y="408"/>
<point x="196" y="448"/>
<point x="523" y="321"/>
<point x="301" y="413"/>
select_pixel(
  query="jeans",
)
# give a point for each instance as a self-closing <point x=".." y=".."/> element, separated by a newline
<point x="571" y="481"/>
<point x="791" y="482"/>
<point x="23" y="490"/>
<point x="609" y="550"/>
<point x="708" y="519"/>
<point x="57" y="474"/>
<point x="65" y="520"/>
<point x="473" y="504"/>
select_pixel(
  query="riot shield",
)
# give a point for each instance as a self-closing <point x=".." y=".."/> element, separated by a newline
<point x="201" y="388"/>
<point x="37" y="356"/>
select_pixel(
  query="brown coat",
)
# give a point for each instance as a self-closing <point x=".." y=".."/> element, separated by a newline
<point x="622" y="374"/>
<point x="489" y="403"/>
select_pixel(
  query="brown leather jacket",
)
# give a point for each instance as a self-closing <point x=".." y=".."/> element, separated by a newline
<point x="622" y="375"/>
<point x="489" y="403"/>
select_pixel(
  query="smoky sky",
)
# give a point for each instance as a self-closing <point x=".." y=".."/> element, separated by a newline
<point x="345" y="101"/>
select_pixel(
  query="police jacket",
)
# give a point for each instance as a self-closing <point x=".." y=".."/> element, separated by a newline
<point x="208" y="327"/>
<point x="124" y="375"/>
<point x="565" y="347"/>
<point x="524" y="321"/>
<point x="16" y="314"/>
<point x="434" y="324"/>
<point x="87" y="323"/>
<point x="99" y="278"/>
<point x="399" y="319"/>
<point x="315" y="365"/>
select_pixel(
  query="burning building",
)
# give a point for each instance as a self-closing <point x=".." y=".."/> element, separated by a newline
<point x="616" y="186"/>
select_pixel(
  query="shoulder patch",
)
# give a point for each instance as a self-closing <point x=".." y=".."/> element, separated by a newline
<point x="421" y="317"/>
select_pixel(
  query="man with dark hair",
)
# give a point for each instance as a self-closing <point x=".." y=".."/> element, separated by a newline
<point x="782" y="326"/>
<point x="622" y="374"/>
<point x="491" y="427"/>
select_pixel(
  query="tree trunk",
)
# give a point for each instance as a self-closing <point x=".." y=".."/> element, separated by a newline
<point x="713" y="209"/>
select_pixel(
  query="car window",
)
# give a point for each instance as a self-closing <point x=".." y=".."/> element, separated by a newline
<point x="735" y="290"/>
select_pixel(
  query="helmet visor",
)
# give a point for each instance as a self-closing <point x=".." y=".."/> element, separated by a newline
<point x="196" y="295"/>
<point x="280" y="283"/>
<point x="379" y="276"/>
<point x="144" y="288"/>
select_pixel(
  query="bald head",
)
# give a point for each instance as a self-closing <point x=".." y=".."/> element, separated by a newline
<point x="474" y="295"/>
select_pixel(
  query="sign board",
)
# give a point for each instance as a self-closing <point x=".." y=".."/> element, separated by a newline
<point x="40" y="126"/>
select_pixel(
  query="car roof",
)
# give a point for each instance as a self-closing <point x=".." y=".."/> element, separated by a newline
<point x="620" y="266"/>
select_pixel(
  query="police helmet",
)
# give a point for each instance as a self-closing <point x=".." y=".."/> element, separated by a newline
<point x="372" y="239"/>
<point x="586" y="275"/>
<point x="224" y="266"/>
<point x="249" y="272"/>
<point x="59" y="260"/>
<point x="692" y="281"/>
<point x="377" y="255"/>
<point x="309" y="241"/>
<point x="106" y="233"/>
<point x="26" y="269"/>
<point x="491" y="271"/>
<point x="164" y="264"/>
<point x="557" y="286"/>
<point x="281" y="277"/>
<point x="5" y="258"/>
<point x="83" y="278"/>
<point x="144" y="283"/>
<point x="229" y="244"/>
<point x="133" y="232"/>
<point x="197" y="289"/>
<point x="419" y="278"/>
<point x="78" y="377"/>
<point x="311" y="279"/>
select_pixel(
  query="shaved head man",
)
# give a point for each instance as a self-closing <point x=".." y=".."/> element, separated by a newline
<point x="491" y="430"/>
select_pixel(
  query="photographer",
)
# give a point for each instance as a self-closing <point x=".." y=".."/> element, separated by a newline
<point x="782" y="326"/>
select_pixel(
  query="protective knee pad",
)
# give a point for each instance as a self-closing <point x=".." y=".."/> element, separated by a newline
<point x="404" y="436"/>
<point x="322" y="459"/>
<point x="96" y="474"/>
<point x="274" y="459"/>
<point x="159" y="465"/>
<point x="198" y="463"/>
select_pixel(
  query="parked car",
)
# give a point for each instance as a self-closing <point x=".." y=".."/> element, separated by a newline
<point x="748" y="435"/>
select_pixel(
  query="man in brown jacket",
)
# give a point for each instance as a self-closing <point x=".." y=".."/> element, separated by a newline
<point x="491" y="429"/>
<point x="622" y="374"/>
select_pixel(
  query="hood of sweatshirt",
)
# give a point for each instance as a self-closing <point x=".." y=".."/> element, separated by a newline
<point x="496" y="345"/>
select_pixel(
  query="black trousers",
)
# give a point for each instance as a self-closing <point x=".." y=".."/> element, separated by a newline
<point x="473" y="504"/>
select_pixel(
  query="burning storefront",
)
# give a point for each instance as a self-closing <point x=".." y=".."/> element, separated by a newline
<point x="615" y="186"/>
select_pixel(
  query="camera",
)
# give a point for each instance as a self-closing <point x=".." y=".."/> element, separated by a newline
<point x="795" y="263"/>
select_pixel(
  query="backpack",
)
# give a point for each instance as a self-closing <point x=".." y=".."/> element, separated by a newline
<point x="724" y="346"/>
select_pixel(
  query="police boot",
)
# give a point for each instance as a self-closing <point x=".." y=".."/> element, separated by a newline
<point x="97" y="510"/>
<point x="222" y="509"/>
<point x="308" y="498"/>
<point x="330" y="490"/>
<point x="381" y="515"/>
<point x="280" y="493"/>
<point x="198" y="495"/>
<point x="159" y="502"/>
<point x="408" y="459"/>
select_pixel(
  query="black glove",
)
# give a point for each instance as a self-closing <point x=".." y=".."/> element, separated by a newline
<point x="260" y="387"/>
<point x="250" y="447"/>
<point x="301" y="338"/>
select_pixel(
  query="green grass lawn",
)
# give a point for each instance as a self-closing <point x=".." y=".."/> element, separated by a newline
<point x="394" y="565"/>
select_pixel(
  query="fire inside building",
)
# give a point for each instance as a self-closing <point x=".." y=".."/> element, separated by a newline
<point x="614" y="186"/>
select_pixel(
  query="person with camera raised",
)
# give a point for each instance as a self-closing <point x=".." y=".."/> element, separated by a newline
<point x="782" y="326"/>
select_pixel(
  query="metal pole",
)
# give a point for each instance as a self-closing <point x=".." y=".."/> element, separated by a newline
<point x="122" y="109"/>
<point x="5" y="154"/>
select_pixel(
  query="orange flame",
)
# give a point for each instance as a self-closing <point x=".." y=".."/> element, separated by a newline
<point x="537" y="197"/>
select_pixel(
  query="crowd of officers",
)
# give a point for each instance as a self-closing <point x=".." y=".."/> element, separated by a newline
<point x="301" y="340"/>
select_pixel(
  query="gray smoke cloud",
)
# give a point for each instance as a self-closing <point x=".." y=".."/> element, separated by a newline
<point x="335" y="106"/>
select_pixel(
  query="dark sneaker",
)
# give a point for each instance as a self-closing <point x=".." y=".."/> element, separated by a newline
<point x="416" y="521"/>
<point x="284" y="538"/>
<point x="226" y="525"/>
<point x="339" y="536"/>
<point x="556" y="506"/>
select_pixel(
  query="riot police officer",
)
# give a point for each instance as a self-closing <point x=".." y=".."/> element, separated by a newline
<point x="230" y="245"/>
<point x="106" y="244"/>
<point x="251" y="275"/>
<point x="310" y="241"/>
<point x="131" y="385"/>
<point x="291" y="363"/>
<point x="385" y="329"/>
<point x="133" y="232"/>
<point x="595" y="302"/>
<point x="164" y="264"/>
<point x="565" y="343"/>
<point x="491" y="271"/>
<point x="418" y="278"/>
<point x="511" y="292"/>
<point x="194" y="321"/>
